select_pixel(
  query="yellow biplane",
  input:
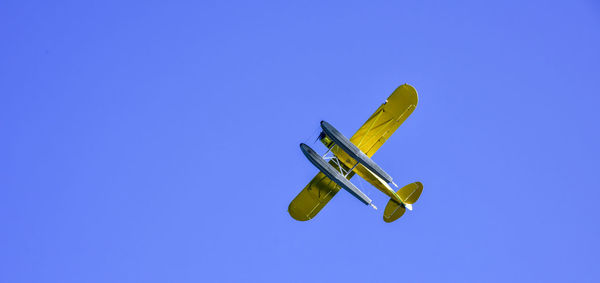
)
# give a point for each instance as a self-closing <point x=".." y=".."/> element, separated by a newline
<point x="346" y="157"/>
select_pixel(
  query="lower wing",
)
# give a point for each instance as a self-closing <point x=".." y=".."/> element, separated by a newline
<point x="313" y="198"/>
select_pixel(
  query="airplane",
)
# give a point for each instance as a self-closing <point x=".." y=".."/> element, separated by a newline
<point x="346" y="157"/>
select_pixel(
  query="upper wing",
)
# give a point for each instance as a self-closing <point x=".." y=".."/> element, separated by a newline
<point x="369" y="138"/>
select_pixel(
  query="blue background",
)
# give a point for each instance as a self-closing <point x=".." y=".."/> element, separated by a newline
<point x="158" y="142"/>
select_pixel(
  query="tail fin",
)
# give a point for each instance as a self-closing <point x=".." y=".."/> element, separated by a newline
<point x="409" y="194"/>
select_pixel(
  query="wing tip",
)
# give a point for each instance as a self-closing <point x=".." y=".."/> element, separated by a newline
<point x="297" y="215"/>
<point x="404" y="96"/>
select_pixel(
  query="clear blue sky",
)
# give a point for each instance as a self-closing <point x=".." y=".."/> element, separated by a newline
<point x="158" y="141"/>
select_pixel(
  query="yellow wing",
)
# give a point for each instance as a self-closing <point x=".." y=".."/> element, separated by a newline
<point x="369" y="138"/>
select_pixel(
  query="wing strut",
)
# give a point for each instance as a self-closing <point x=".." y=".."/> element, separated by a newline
<point x="348" y="147"/>
<point x="334" y="175"/>
<point x="369" y="129"/>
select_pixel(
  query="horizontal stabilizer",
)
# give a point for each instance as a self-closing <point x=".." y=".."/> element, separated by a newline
<point x="411" y="192"/>
<point x="393" y="211"/>
<point x="409" y="195"/>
